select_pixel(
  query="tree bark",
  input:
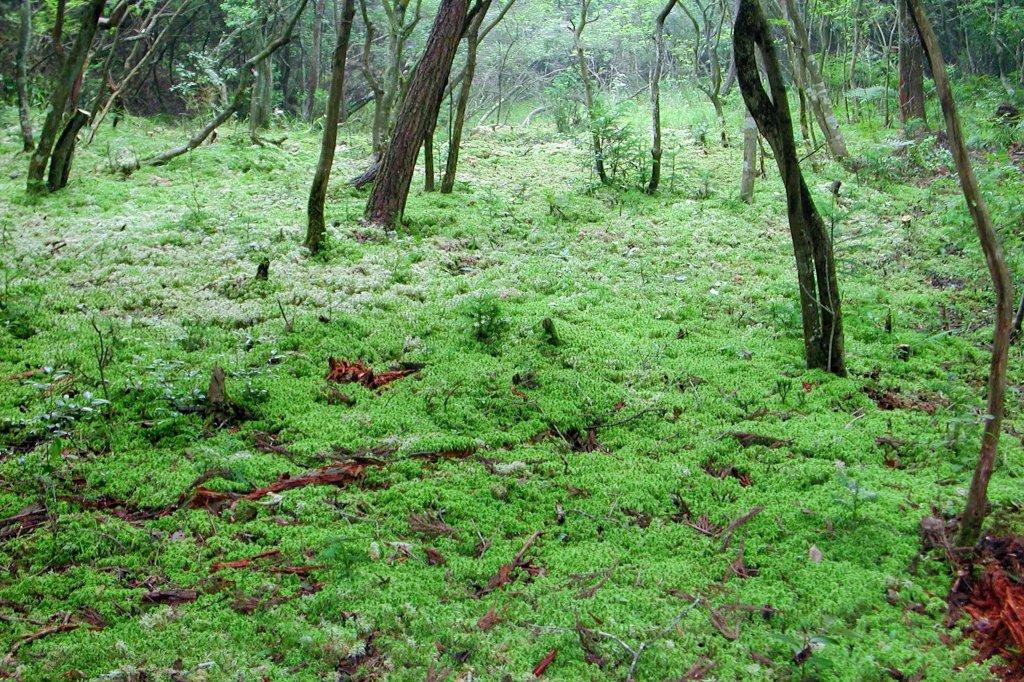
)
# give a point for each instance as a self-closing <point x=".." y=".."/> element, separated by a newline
<point x="588" y="90"/>
<point x="314" y="62"/>
<point x="458" y="124"/>
<point x="24" y="47"/>
<point x="812" y="246"/>
<point x="64" y="151"/>
<point x="977" y="497"/>
<point x="419" y="109"/>
<point x="316" y="227"/>
<point x="656" y="69"/>
<point x="911" y="68"/>
<point x="815" y="88"/>
<point x="749" y="160"/>
<point x="70" y="72"/>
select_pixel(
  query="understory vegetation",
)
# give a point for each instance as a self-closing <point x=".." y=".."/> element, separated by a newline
<point x="548" y="426"/>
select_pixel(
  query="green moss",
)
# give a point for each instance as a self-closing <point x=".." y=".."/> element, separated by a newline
<point x="677" y="321"/>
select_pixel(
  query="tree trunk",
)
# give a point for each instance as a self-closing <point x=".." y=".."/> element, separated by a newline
<point x="656" y="69"/>
<point x="64" y="151"/>
<point x="977" y="497"/>
<point x="70" y="72"/>
<point x="458" y="124"/>
<point x="316" y="226"/>
<point x="812" y="246"/>
<point x="588" y="92"/>
<point x="815" y="88"/>
<point x="1018" y="320"/>
<point x="419" y="109"/>
<point x="911" y="68"/>
<point x="428" y="158"/>
<point x="314" y="62"/>
<point x="749" y="160"/>
<point x="24" y="47"/>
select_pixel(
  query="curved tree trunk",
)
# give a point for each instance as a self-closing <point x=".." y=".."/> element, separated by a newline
<point x="24" y="47"/>
<point x="64" y="151"/>
<point x="812" y="247"/>
<point x="316" y="228"/>
<point x="71" y="71"/>
<point x="659" y="61"/>
<point x="419" y="111"/>
<point x="458" y="124"/>
<point x="977" y="496"/>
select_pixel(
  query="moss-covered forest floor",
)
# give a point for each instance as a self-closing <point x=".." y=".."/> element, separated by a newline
<point x="704" y="504"/>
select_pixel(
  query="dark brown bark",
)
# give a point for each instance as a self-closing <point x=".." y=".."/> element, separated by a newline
<point x="977" y="497"/>
<point x="64" y="151"/>
<point x="659" y="61"/>
<point x="458" y="124"/>
<point x="24" y="47"/>
<point x="313" y="82"/>
<point x="70" y="72"/>
<point x="911" y="67"/>
<point x="812" y="246"/>
<point x="316" y="228"/>
<point x="419" y="110"/>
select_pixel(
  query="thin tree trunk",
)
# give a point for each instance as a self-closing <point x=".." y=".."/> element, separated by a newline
<point x="386" y="203"/>
<point x="812" y="246"/>
<point x="749" y="160"/>
<point x="911" y="70"/>
<point x="459" y="122"/>
<point x="316" y="226"/>
<point x="659" y="62"/>
<point x="24" y="47"/>
<point x="1018" y="320"/>
<point x="588" y="92"/>
<point x="245" y="78"/>
<point x="977" y="497"/>
<point x="314" y="62"/>
<point x="71" y="71"/>
<point x="815" y="88"/>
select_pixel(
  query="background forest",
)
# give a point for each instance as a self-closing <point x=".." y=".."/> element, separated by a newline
<point x="511" y="339"/>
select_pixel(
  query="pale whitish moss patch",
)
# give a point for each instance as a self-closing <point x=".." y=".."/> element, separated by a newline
<point x="678" y="323"/>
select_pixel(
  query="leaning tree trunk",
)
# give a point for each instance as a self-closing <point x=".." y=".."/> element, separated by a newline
<point x="815" y="84"/>
<point x="451" y="165"/>
<point x="977" y="496"/>
<point x="24" y="47"/>
<point x="64" y="151"/>
<point x="419" y="110"/>
<point x="71" y="70"/>
<point x="911" y="88"/>
<point x="245" y="79"/>
<point x="749" y="160"/>
<point x="812" y="247"/>
<point x="656" y="69"/>
<point x="316" y="228"/>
